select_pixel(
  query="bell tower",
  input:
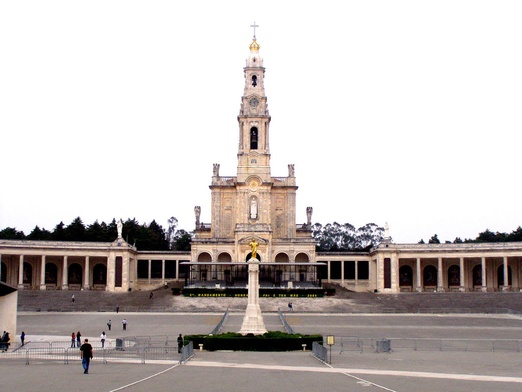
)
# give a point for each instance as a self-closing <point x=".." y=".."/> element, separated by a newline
<point x="253" y="206"/>
<point x="254" y="120"/>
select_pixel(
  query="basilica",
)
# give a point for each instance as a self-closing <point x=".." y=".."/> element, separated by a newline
<point x="255" y="207"/>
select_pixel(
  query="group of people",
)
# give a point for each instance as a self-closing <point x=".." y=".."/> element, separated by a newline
<point x="4" y="341"/>
<point x="86" y="350"/>
<point x="76" y="339"/>
<point x="123" y="323"/>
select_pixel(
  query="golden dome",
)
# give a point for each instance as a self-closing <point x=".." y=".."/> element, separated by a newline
<point x="254" y="46"/>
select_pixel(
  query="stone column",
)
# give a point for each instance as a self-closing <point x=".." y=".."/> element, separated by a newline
<point x="356" y="273"/>
<point x="462" y="275"/>
<point x="418" y="274"/>
<point x="440" y="275"/>
<point x="505" y="287"/>
<point x="150" y="269"/>
<point x="111" y="264"/>
<point x="21" y="273"/>
<point x="65" y="275"/>
<point x="342" y="272"/>
<point x="329" y="272"/>
<point x="484" y="282"/>
<point x="86" y="280"/>
<point x="42" y="274"/>
<point x="253" y="319"/>
<point x="177" y="270"/>
<point x="372" y="282"/>
<point x="163" y="270"/>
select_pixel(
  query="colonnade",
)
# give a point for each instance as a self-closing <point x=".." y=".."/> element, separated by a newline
<point x="501" y="273"/>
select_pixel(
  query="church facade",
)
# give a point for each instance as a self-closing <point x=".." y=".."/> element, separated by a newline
<point x="254" y="207"/>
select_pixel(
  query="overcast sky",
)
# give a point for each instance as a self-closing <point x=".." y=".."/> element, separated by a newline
<point x="406" y="112"/>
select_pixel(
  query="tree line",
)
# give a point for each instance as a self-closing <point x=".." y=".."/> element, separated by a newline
<point x="485" y="236"/>
<point x="144" y="236"/>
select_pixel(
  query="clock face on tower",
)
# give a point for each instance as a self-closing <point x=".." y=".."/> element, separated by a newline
<point x="254" y="102"/>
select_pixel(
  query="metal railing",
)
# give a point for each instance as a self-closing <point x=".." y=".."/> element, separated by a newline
<point x="320" y="352"/>
<point x="187" y="352"/>
<point x="60" y="344"/>
<point x="351" y="344"/>
<point x="287" y="326"/>
<point x="360" y="344"/>
<point x="220" y="324"/>
<point x="133" y="349"/>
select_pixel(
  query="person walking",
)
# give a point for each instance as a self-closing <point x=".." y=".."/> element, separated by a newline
<point x="78" y="339"/>
<point x="109" y="324"/>
<point x="73" y="340"/>
<point x="22" y="337"/>
<point x="103" y="337"/>
<point x="86" y="355"/>
<point x="290" y="307"/>
<point x="180" y="343"/>
<point x="117" y="308"/>
<point x="124" y="324"/>
<point x="72" y="298"/>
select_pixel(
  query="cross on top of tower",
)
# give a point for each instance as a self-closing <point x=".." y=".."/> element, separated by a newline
<point x="254" y="26"/>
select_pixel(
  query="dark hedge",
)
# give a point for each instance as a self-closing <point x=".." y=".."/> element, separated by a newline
<point x="270" y="341"/>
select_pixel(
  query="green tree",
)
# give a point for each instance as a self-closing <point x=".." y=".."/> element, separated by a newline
<point x="39" y="234"/>
<point x="97" y="232"/>
<point x="58" y="233"/>
<point x="182" y="240"/>
<point x="10" y="233"/>
<point x="132" y="232"/>
<point x="158" y="236"/>
<point x="171" y="231"/>
<point x="369" y="235"/>
<point x="112" y="230"/>
<point x="489" y="236"/>
<point x="336" y="237"/>
<point x="515" y="235"/>
<point x="75" y="231"/>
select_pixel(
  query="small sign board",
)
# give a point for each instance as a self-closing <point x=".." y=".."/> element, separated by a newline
<point x="330" y="340"/>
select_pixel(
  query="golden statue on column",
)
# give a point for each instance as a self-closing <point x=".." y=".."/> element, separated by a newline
<point x="253" y="246"/>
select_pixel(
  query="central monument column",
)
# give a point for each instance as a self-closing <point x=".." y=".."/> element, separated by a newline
<point x="253" y="321"/>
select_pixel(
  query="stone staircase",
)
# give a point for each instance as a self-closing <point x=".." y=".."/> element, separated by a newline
<point x="343" y="301"/>
<point x="94" y="301"/>
<point x="428" y="302"/>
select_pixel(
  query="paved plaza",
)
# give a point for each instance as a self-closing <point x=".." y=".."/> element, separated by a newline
<point x="399" y="370"/>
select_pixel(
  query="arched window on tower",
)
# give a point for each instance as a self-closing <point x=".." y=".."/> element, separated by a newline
<point x="254" y="80"/>
<point x="253" y="138"/>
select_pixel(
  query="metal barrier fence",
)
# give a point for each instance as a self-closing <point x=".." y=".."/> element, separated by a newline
<point x="151" y="340"/>
<point x="220" y="324"/>
<point x="187" y="352"/>
<point x="287" y="326"/>
<point x="28" y="355"/>
<point x="59" y="344"/>
<point x="320" y="352"/>
<point x="448" y="310"/>
<point x="353" y="343"/>
<point x="132" y="349"/>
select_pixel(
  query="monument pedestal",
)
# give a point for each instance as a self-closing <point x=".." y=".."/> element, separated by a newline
<point x="253" y="321"/>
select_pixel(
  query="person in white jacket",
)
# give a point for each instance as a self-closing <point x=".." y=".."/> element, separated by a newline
<point x="103" y="337"/>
